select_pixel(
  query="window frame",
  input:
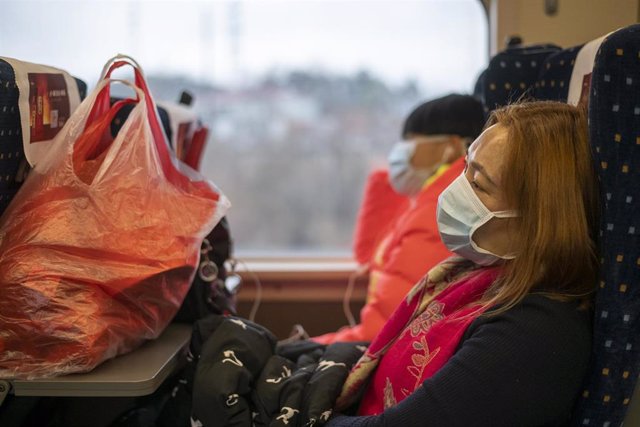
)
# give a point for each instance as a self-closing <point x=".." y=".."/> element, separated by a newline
<point x="308" y="267"/>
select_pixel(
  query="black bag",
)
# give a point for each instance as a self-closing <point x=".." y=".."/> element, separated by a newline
<point x="213" y="290"/>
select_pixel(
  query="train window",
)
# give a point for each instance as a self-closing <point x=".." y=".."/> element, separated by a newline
<point x="302" y="97"/>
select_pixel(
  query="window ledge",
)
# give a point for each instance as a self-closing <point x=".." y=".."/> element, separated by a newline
<point x="304" y="269"/>
<point x="299" y="280"/>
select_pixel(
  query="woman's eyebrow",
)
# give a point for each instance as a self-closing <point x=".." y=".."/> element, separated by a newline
<point x="477" y="166"/>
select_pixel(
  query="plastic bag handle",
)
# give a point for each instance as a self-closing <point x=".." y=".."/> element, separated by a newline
<point x="96" y="137"/>
<point x="194" y="153"/>
<point x="103" y="102"/>
<point x="97" y="130"/>
<point x="172" y="169"/>
<point x="108" y="66"/>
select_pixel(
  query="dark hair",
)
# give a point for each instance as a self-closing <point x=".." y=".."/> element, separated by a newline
<point x="453" y="114"/>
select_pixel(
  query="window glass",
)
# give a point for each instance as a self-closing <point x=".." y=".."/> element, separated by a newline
<point x="302" y="98"/>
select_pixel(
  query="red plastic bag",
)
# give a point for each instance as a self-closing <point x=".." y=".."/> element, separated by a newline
<point x="99" y="247"/>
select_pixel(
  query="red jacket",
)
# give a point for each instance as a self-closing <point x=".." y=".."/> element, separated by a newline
<point x="407" y="244"/>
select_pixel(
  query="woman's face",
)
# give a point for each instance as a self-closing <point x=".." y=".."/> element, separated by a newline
<point x="485" y="163"/>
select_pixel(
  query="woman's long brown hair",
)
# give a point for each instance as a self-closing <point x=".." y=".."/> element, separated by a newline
<point x="550" y="179"/>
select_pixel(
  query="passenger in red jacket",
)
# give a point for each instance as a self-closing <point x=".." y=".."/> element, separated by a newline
<point x="396" y="234"/>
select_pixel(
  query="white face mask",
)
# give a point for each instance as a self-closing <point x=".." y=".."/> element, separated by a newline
<point x="460" y="214"/>
<point x="405" y="178"/>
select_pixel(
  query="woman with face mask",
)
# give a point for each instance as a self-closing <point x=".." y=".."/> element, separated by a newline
<point x="498" y="335"/>
<point x="396" y="234"/>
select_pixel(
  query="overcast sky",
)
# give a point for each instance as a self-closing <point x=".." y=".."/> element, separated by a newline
<point x="440" y="43"/>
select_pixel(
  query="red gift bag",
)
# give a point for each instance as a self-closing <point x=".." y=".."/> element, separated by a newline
<point x="99" y="247"/>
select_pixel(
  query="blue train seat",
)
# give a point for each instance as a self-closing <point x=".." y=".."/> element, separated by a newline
<point x="510" y="75"/>
<point x="555" y="75"/>
<point x="13" y="164"/>
<point x="614" y="126"/>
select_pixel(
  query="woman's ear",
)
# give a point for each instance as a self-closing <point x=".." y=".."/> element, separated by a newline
<point x="457" y="148"/>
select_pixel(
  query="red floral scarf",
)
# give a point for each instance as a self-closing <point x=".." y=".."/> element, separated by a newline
<point x="420" y="337"/>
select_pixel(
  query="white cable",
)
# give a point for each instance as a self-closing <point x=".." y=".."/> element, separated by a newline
<point x="297" y="334"/>
<point x="258" y="299"/>
<point x="346" y="300"/>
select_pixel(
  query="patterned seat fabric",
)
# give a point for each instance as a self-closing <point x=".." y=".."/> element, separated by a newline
<point x="511" y="74"/>
<point x="12" y="160"/>
<point x="555" y="75"/>
<point x="614" y="122"/>
<point x="11" y="151"/>
<point x="478" y="88"/>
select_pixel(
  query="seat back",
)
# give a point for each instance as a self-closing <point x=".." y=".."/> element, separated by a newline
<point x="555" y="75"/>
<point x="511" y="74"/>
<point x="614" y="127"/>
<point x="13" y="161"/>
<point x="11" y="151"/>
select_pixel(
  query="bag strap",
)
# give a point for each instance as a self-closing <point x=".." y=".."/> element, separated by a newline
<point x="169" y="164"/>
<point x="96" y="137"/>
<point x="198" y="142"/>
<point x="103" y="103"/>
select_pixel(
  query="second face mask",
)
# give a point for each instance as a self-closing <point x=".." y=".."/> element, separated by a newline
<point x="403" y="176"/>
